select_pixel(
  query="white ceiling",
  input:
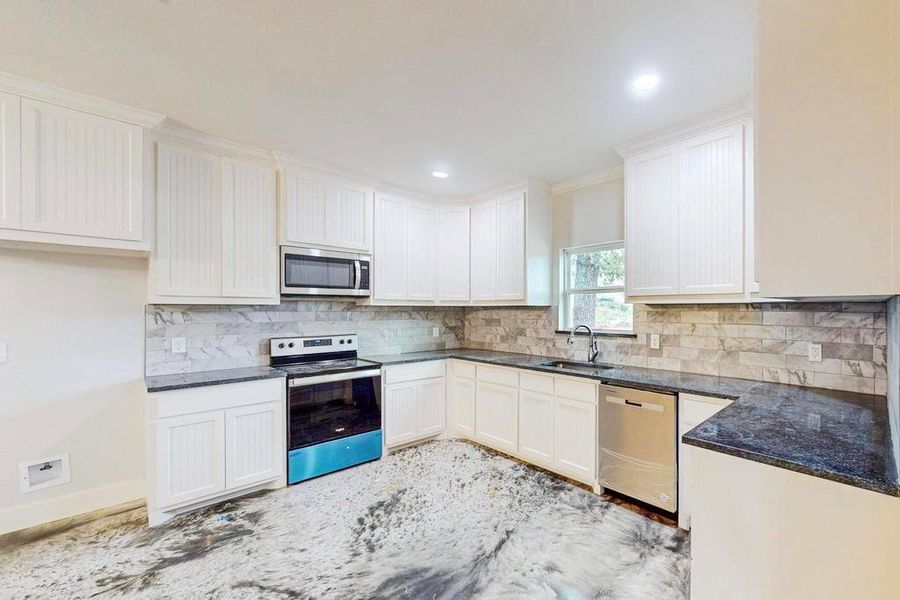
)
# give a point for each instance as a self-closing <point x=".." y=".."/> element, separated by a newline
<point x="491" y="90"/>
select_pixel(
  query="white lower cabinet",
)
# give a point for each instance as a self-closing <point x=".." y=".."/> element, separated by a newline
<point x="575" y="437"/>
<point x="209" y="443"/>
<point x="463" y="394"/>
<point x="692" y="410"/>
<point x="496" y="409"/>
<point x="536" y="430"/>
<point x="415" y="402"/>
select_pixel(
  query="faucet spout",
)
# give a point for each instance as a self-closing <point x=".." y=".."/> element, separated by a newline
<point x="593" y="346"/>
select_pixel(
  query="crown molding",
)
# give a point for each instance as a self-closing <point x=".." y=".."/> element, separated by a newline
<point x="170" y="131"/>
<point x="44" y="92"/>
<point x="731" y="115"/>
<point x="595" y="178"/>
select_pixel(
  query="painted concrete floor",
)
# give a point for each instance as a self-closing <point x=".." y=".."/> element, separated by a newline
<point x="442" y="520"/>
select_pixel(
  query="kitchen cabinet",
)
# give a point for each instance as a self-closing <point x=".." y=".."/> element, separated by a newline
<point x="463" y="393"/>
<point x="575" y="439"/>
<point x="496" y="416"/>
<point x="420" y="252"/>
<point x="498" y="249"/>
<point x="391" y="266"/>
<point x="484" y="251"/>
<point x="453" y="253"/>
<point x="692" y="411"/>
<point x="415" y="402"/>
<point x="536" y="427"/>
<point x="72" y="168"/>
<point x="319" y="210"/>
<point x="689" y="213"/>
<point x="215" y="234"/>
<point x="208" y="443"/>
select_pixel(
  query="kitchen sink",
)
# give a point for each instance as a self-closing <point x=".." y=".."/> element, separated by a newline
<point x="574" y="365"/>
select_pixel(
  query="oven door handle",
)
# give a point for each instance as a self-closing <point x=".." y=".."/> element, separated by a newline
<point x="305" y="381"/>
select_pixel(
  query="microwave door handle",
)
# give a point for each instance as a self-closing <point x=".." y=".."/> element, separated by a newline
<point x="358" y="270"/>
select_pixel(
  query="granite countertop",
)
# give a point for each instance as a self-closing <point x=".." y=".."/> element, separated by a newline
<point x="179" y="381"/>
<point x="836" y="435"/>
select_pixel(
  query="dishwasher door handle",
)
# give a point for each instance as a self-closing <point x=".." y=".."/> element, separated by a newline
<point x="629" y="403"/>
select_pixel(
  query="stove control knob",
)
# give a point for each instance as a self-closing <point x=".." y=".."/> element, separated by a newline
<point x="281" y="345"/>
<point x="349" y="341"/>
<point x="342" y="341"/>
<point x="291" y="345"/>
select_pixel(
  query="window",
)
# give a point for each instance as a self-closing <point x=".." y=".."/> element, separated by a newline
<point x="594" y="288"/>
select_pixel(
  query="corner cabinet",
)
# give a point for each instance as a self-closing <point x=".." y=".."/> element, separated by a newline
<point x="72" y="169"/>
<point x="689" y="214"/>
<point x="215" y="233"/>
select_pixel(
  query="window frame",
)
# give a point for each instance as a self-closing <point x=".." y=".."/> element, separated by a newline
<point x="567" y="291"/>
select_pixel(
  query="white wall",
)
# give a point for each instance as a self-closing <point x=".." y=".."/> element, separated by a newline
<point x="74" y="324"/>
<point x="589" y="215"/>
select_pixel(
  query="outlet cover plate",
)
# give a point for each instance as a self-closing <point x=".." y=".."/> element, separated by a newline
<point x="815" y="353"/>
<point x="654" y="341"/>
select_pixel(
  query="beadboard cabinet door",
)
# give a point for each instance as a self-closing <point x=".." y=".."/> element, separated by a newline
<point x="10" y="172"/>
<point x="536" y="427"/>
<point x="250" y="254"/>
<point x="303" y="208"/>
<point x="188" y="253"/>
<point x="511" y="248"/>
<point x="575" y="426"/>
<point x="348" y="218"/>
<point x="190" y="457"/>
<point x="81" y="174"/>
<point x="420" y="252"/>
<point x="711" y="213"/>
<point x="391" y="267"/>
<point x="431" y="395"/>
<point x="401" y="408"/>
<point x="651" y="223"/>
<point x="484" y="251"/>
<point x="496" y="416"/>
<point x="253" y="451"/>
<point x="464" y="401"/>
<point x="453" y="253"/>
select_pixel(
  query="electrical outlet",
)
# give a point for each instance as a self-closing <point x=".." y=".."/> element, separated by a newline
<point x="4" y="352"/>
<point x="179" y="345"/>
<point x="654" y="341"/>
<point x="815" y="352"/>
<point x="435" y="331"/>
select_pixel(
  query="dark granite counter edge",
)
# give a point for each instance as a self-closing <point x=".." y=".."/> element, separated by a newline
<point x="860" y="482"/>
<point x="167" y="383"/>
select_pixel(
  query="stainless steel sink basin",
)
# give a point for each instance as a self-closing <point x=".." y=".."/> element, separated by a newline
<point x="571" y="365"/>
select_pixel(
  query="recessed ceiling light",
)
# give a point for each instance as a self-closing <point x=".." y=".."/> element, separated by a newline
<point x="440" y="174"/>
<point x="646" y="83"/>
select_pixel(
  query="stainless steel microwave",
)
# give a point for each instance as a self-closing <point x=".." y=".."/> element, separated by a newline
<point x="317" y="272"/>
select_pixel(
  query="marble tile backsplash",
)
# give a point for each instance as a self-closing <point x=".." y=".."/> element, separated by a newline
<point x="226" y="337"/>
<point x="766" y="342"/>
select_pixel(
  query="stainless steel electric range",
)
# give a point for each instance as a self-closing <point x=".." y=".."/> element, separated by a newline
<point x="334" y="404"/>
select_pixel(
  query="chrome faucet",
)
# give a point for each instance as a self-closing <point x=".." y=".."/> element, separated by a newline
<point x="594" y="350"/>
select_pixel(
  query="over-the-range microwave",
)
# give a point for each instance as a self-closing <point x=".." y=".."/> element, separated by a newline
<point x="318" y="272"/>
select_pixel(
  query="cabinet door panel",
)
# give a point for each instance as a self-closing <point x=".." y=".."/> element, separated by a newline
<point x="254" y="449"/>
<point x="575" y="439"/>
<point x="511" y="248"/>
<point x="400" y="413"/>
<point x="484" y="251"/>
<point x="711" y="213"/>
<point x="651" y="223"/>
<point x="390" y="268"/>
<point x="464" y="403"/>
<point x="348" y="218"/>
<point x="536" y="427"/>
<point x="250" y="262"/>
<point x="304" y="210"/>
<point x="81" y="174"/>
<point x="10" y="174"/>
<point x="188" y="251"/>
<point x="190" y="457"/>
<point x="432" y="407"/>
<point x="496" y="416"/>
<point x="453" y="253"/>
<point x="420" y="252"/>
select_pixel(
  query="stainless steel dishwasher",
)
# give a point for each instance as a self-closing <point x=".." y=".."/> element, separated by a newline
<point x="637" y="445"/>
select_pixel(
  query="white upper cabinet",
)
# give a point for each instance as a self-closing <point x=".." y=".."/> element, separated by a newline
<point x="391" y="261"/>
<point x="420" y="251"/>
<point x="10" y="173"/>
<point x="215" y="231"/>
<point x="250" y="260"/>
<point x="322" y="210"/>
<point x="689" y="214"/>
<point x="453" y="253"/>
<point x="511" y="248"/>
<point x="484" y="251"/>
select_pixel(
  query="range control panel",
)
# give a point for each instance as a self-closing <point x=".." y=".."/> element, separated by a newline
<point x="300" y="346"/>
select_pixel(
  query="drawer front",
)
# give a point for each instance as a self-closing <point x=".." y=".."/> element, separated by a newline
<point x="507" y="377"/>
<point x="696" y="409"/>
<point x="464" y="369"/>
<point x="414" y="371"/>
<point x="214" y="397"/>
<point x="312" y="461"/>
<point x="576" y="390"/>
<point x="536" y="383"/>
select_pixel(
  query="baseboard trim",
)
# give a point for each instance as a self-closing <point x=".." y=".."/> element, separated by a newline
<point x="57" y="513"/>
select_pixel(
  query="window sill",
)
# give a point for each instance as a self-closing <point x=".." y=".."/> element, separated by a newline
<point x="612" y="334"/>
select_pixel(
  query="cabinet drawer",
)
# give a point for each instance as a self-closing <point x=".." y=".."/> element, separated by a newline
<point x="576" y="390"/>
<point x="536" y="383"/>
<point x="696" y="409"/>
<point x="214" y="397"/>
<point x="508" y="377"/>
<point x="414" y="371"/>
<point x="464" y="369"/>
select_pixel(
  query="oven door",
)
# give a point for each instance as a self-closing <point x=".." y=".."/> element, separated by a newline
<point x="330" y="407"/>
<point x="310" y="271"/>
